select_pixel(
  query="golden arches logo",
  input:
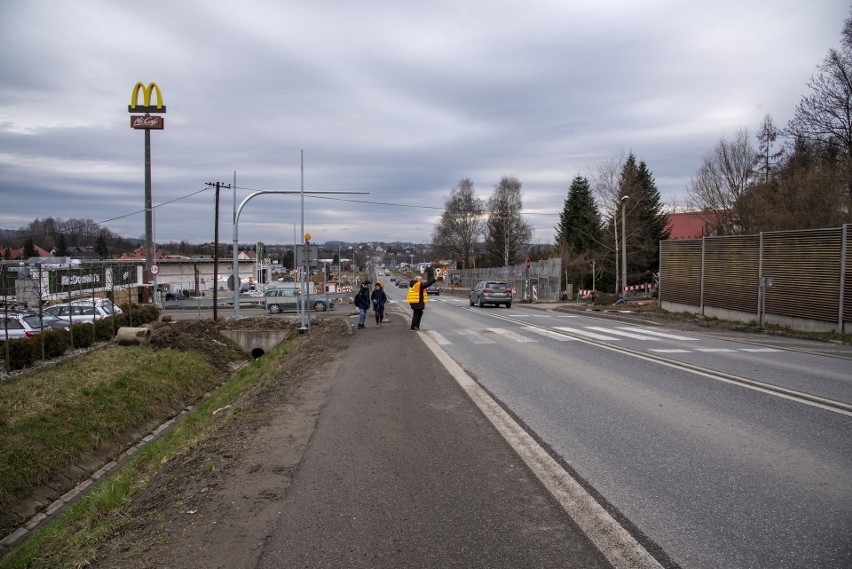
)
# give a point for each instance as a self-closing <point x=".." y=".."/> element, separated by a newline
<point x="146" y="107"/>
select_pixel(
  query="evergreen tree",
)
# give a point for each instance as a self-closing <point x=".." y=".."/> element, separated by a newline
<point x="101" y="247"/>
<point x="29" y="249"/>
<point x="646" y="222"/>
<point x="61" y="246"/>
<point x="579" y="229"/>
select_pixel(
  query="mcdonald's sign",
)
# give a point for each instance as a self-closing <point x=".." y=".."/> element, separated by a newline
<point x="147" y="107"/>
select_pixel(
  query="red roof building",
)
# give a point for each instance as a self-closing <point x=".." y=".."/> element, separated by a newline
<point x="692" y="225"/>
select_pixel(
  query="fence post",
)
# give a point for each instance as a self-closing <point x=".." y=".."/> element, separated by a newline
<point x="701" y="291"/>
<point x="843" y="244"/>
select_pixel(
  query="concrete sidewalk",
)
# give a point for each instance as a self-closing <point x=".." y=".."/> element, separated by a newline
<point x="403" y="470"/>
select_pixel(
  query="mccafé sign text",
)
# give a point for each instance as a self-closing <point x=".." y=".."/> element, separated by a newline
<point x="147" y="121"/>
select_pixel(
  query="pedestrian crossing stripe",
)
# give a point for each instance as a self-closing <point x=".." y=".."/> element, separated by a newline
<point x="624" y="333"/>
<point x="475" y="337"/>
<point x="481" y="337"/>
<point x="586" y="333"/>
<point x="439" y="338"/>
<point x="511" y="335"/>
<point x="655" y="333"/>
<point x="548" y="334"/>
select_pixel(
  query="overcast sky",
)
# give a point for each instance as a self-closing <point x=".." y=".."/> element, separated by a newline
<point x="401" y="99"/>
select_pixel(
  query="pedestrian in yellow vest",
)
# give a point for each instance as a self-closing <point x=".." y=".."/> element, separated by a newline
<point x="417" y="299"/>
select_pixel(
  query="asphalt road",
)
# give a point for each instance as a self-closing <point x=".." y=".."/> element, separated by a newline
<point x="657" y="423"/>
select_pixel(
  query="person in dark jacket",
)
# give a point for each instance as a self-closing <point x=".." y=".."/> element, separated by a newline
<point x="362" y="303"/>
<point x="417" y="299"/>
<point x="379" y="299"/>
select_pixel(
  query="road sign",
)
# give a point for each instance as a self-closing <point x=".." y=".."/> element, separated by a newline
<point x="155" y="269"/>
<point x="528" y="263"/>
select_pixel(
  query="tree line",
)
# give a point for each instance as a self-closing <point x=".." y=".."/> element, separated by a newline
<point x="797" y="177"/>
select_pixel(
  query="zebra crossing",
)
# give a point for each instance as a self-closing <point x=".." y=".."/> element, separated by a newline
<point x="533" y="334"/>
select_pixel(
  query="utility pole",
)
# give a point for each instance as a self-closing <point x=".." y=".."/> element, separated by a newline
<point x="624" y="244"/>
<point x="218" y="186"/>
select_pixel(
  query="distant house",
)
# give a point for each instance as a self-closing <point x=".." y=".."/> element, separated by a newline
<point x="247" y="255"/>
<point x="7" y="253"/>
<point x="18" y="254"/>
<point x="83" y="253"/>
<point x="139" y="253"/>
<point x="692" y="225"/>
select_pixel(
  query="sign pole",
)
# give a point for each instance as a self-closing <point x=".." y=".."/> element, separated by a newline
<point x="147" y="123"/>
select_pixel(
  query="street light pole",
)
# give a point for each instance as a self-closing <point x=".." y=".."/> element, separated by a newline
<point x="623" y="244"/>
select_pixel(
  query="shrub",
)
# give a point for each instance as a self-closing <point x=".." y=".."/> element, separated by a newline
<point x="105" y="329"/>
<point x="84" y="335"/>
<point x="24" y="352"/>
<point x="56" y="343"/>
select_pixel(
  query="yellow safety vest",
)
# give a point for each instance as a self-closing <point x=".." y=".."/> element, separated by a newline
<point x="414" y="294"/>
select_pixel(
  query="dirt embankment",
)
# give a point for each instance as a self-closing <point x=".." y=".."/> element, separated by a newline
<point x="214" y="506"/>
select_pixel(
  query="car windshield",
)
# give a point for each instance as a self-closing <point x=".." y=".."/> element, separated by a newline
<point x="34" y="322"/>
<point x="497" y="286"/>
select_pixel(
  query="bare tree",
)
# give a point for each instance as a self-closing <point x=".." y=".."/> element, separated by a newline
<point x="606" y="182"/>
<point x="507" y="230"/>
<point x="825" y="115"/>
<point x="461" y="224"/>
<point x="722" y="180"/>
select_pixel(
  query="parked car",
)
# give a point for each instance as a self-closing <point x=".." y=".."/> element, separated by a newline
<point x="47" y="321"/>
<point x="491" y="292"/>
<point x="287" y="300"/>
<point x="433" y="290"/>
<point x="14" y="325"/>
<point x="77" y="311"/>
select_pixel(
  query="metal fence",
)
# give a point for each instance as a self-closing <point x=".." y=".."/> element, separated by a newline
<point x="542" y="283"/>
<point x="799" y="279"/>
<point x="30" y="284"/>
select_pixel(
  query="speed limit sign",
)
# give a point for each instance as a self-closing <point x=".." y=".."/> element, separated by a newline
<point x="155" y="269"/>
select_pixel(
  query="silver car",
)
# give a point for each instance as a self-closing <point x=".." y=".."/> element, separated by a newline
<point x="491" y="292"/>
<point x="287" y="300"/>
<point x="15" y="325"/>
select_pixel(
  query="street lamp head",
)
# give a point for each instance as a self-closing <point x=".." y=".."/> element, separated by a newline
<point x="625" y="198"/>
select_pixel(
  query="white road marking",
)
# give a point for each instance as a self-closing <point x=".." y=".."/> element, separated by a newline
<point x="474" y="337"/>
<point x="714" y="350"/>
<point x="660" y="334"/>
<point x="760" y="350"/>
<point x="548" y="334"/>
<point x="672" y="351"/>
<point x="586" y="333"/>
<point x="439" y="339"/>
<point x="623" y="333"/>
<point x="511" y="335"/>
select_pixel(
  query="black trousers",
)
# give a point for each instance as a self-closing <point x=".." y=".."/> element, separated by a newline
<point x="415" y="320"/>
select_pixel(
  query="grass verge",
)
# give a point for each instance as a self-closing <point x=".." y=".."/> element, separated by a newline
<point x="73" y="539"/>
